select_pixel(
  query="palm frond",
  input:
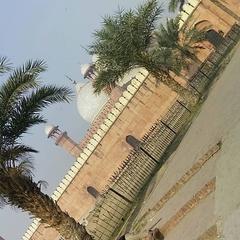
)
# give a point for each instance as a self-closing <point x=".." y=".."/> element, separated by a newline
<point x="3" y="201"/>
<point x="15" y="152"/>
<point x="20" y="81"/>
<point x="106" y="79"/>
<point x="27" y="112"/>
<point x="165" y="59"/>
<point x="168" y="35"/>
<point x="147" y="17"/>
<point x="192" y="35"/>
<point x="25" y="167"/>
<point x="183" y="42"/>
<point x="22" y="100"/>
<point x="5" y="65"/>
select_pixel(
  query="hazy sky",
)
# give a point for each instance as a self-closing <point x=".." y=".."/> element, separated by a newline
<point x="56" y="31"/>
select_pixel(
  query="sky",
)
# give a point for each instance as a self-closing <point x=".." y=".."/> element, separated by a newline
<point x="56" y="31"/>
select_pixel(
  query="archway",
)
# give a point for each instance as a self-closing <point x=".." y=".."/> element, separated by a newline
<point x="93" y="191"/>
<point x="203" y="25"/>
<point x="133" y="142"/>
<point x="137" y="146"/>
<point x="215" y="38"/>
<point x="213" y="35"/>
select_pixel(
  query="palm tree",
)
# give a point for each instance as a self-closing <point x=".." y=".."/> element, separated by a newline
<point x="22" y="98"/>
<point x="174" y="4"/>
<point x="185" y="41"/>
<point x="126" y="41"/>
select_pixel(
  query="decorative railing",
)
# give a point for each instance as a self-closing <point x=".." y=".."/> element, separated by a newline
<point x="126" y="183"/>
<point x="211" y="65"/>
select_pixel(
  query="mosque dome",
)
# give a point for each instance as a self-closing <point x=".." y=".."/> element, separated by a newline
<point x="49" y="128"/>
<point x="89" y="104"/>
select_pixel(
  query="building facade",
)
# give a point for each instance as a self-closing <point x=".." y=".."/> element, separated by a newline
<point x="132" y="109"/>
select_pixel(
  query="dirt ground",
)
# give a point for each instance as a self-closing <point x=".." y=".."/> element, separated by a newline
<point x="218" y="120"/>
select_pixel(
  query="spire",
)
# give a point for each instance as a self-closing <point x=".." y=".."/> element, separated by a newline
<point x="63" y="140"/>
<point x="71" y="80"/>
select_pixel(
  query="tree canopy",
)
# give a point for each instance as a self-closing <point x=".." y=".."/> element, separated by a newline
<point x="184" y="42"/>
<point x="128" y="40"/>
<point x="123" y="41"/>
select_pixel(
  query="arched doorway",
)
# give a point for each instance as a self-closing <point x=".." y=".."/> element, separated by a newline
<point x="133" y="142"/>
<point x="215" y="38"/>
<point x="137" y="146"/>
<point x="203" y="25"/>
<point x="93" y="191"/>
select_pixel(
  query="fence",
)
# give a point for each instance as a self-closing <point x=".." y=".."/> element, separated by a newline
<point x="131" y="176"/>
<point x="211" y="65"/>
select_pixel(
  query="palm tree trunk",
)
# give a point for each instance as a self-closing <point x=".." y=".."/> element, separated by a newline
<point x="25" y="194"/>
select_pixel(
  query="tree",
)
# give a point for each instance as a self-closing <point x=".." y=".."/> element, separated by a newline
<point x="22" y="98"/>
<point x="174" y="4"/>
<point x="185" y="41"/>
<point x="126" y="41"/>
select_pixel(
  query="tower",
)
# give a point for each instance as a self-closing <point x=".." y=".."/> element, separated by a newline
<point x="63" y="140"/>
<point x="88" y="71"/>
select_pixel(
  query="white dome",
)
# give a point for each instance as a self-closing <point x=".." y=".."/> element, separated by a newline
<point x="79" y="86"/>
<point x="48" y="129"/>
<point x="84" y="68"/>
<point x="89" y="104"/>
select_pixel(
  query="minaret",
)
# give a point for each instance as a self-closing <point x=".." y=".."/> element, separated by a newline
<point x="88" y="71"/>
<point x="63" y="140"/>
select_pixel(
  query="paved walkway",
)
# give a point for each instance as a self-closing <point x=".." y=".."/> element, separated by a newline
<point x="219" y="119"/>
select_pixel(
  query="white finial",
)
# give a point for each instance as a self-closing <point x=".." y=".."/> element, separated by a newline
<point x="84" y="68"/>
<point x="48" y="129"/>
